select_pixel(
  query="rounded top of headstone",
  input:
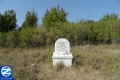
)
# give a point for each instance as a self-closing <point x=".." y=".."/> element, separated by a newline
<point x="62" y="40"/>
<point x="62" y="46"/>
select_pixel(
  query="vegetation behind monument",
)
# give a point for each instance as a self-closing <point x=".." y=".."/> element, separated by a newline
<point x="55" y="25"/>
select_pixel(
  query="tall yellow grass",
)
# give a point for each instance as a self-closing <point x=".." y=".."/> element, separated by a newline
<point x="90" y="62"/>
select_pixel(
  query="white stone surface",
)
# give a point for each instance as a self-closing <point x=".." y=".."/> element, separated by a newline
<point x="62" y="52"/>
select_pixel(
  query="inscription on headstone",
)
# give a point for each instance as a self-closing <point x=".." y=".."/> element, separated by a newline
<point x="62" y="46"/>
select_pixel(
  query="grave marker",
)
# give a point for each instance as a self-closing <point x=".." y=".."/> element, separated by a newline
<point x="62" y="53"/>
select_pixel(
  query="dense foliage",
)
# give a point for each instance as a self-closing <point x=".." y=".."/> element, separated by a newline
<point x="54" y="26"/>
<point x="55" y="17"/>
<point x="8" y="21"/>
<point x="30" y="19"/>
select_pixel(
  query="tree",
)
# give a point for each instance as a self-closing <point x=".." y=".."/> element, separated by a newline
<point x="1" y="22"/>
<point x="8" y="21"/>
<point x="110" y="16"/>
<point x="31" y="19"/>
<point x="55" y="17"/>
<point x="111" y="24"/>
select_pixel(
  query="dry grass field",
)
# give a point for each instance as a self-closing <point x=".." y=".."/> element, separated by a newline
<point x="90" y="62"/>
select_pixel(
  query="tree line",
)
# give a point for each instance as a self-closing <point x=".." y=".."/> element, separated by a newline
<point x="55" y="25"/>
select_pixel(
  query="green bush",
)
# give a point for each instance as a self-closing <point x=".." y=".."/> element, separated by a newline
<point x="13" y="38"/>
<point x="25" y="36"/>
<point x="33" y="37"/>
<point x="3" y="39"/>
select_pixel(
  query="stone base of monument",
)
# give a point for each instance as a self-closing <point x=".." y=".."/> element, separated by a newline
<point x="62" y="53"/>
<point x="65" y="59"/>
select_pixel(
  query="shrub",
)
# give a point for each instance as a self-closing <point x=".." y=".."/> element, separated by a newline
<point x="25" y="36"/>
<point x="13" y="38"/>
<point x="3" y="39"/>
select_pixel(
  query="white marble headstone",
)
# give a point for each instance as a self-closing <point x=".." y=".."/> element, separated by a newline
<point x="62" y="52"/>
<point x="62" y="46"/>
